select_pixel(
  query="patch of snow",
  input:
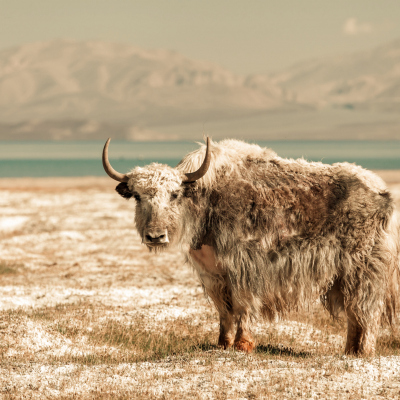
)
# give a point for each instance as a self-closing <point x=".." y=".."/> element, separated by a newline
<point x="12" y="223"/>
<point x="305" y="334"/>
<point x="136" y="298"/>
<point x="73" y="235"/>
<point x="161" y="378"/>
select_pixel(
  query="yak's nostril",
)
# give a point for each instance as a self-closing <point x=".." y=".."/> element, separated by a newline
<point x="157" y="237"/>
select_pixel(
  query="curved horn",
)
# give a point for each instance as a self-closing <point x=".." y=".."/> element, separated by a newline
<point x="194" y="176"/>
<point x="111" y="172"/>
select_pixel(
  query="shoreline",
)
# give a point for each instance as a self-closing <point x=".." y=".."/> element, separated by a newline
<point x="390" y="176"/>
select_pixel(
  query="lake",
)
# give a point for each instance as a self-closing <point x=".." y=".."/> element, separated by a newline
<point x="41" y="159"/>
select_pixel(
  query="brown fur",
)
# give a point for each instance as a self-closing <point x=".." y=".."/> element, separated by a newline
<point x="268" y="235"/>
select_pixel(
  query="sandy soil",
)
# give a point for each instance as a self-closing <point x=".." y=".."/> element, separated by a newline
<point x="71" y="263"/>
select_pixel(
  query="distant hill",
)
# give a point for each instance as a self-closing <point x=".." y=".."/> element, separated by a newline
<point x="94" y="89"/>
<point x="367" y="80"/>
<point x="67" y="89"/>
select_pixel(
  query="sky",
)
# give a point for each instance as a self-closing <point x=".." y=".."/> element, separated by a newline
<point x="252" y="36"/>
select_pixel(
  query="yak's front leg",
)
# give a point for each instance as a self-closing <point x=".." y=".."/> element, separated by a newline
<point x="219" y="293"/>
<point x="244" y="340"/>
<point x="226" y="330"/>
<point x="215" y="284"/>
<point x="226" y="318"/>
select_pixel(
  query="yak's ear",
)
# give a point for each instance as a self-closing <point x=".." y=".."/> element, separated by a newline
<point x="123" y="190"/>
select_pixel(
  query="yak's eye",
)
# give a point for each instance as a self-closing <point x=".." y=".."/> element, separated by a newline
<point x="136" y="196"/>
<point x="174" y="195"/>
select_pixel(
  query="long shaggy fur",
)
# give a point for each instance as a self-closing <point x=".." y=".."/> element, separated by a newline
<point x="283" y="232"/>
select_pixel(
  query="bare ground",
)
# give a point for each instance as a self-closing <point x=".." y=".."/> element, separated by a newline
<point x="87" y="313"/>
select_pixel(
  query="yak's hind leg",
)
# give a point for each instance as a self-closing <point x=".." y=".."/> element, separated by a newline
<point x="361" y="337"/>
<point x="361" y="340"/>
<point x="364" y="308"/>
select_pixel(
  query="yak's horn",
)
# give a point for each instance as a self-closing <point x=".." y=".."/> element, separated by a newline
<point x="194" y="176"/>
<point x="111" y="172"/>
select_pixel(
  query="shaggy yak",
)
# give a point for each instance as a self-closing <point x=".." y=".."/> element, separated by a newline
<point x="267" y="235"/>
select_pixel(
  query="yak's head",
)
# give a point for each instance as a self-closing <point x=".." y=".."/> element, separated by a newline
<point x="158" y="190"/>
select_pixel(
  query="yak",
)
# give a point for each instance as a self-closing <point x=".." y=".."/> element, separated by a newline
<point x="267" y="235"/>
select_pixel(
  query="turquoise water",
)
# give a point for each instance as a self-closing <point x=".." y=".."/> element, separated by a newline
<point x="41" y="159"/>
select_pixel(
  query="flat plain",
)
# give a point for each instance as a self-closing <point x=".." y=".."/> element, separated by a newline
<point x="86" y="312"/>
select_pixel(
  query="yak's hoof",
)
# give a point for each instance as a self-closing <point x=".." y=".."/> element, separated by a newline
<point x="225" y="342"/>
<point x="244" y="345"/>
<point x="360" y="352"/>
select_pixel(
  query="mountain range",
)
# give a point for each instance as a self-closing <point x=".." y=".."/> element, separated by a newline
<point x="367" y="80"/>
<point x="84" y="90"/>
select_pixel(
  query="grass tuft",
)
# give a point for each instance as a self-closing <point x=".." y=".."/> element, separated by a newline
<point x="8" y="269"/>
<point x="388" y="345"/>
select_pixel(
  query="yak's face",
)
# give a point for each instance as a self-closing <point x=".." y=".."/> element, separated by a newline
<point x="157" y="190"/>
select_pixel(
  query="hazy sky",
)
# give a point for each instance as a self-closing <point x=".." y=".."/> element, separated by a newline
<point x="244" y="36"/>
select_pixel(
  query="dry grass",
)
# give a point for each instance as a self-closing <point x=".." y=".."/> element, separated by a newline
<point x="8" y="268"/>
<point x="87" y="313"/>
<point x="98" y="344"/>
<point x="133" y="338"/>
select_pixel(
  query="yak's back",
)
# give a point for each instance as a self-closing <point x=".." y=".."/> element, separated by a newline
<point x="313" y="189"/>
<point x="255" y="193"/>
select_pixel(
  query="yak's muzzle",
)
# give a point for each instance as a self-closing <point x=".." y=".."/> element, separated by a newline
<point x="156" y="238"/>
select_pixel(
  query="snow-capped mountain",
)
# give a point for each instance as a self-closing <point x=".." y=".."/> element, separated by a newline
<point x="368" y="79"/>
<point x="73" y="88"/>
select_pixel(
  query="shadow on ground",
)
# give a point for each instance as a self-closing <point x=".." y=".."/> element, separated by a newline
<point x="281" y="351"/>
